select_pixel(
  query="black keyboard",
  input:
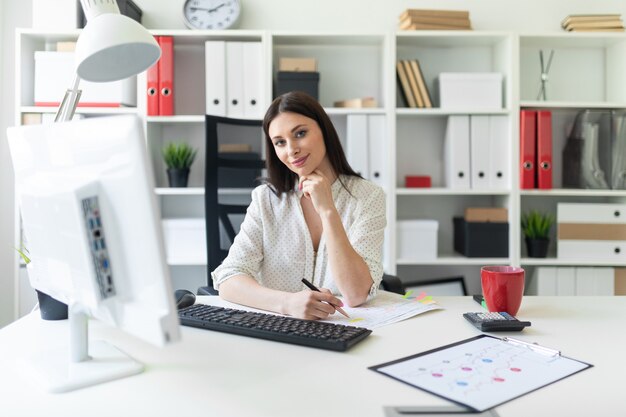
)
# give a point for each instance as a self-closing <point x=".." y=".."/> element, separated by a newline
<point x="271" y="327"/>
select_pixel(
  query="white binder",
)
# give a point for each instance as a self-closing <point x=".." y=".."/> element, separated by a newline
<point x="604" y="284"/>
<point x="543" y="281"/>
<point x="357" y="151"/>
<point x="585" y="281"/>
<point x="234" y="80"/>
<point x="565" y="281"/>
<point x="595" y="281"/>
<point x="479" y="152"/>
<point x="457" y="153"/>
<point x="376" y="149"/>
<point x="253" y="77"/>
<point x="215" y="69"/>
<point x="499" y="174"/>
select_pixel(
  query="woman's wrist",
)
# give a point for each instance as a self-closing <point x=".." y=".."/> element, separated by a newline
<point x="284" y="303"/>
<point x="328" y="214"/>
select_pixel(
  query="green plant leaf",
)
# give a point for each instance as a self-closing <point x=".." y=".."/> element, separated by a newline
<point x="536" y="225"/>
<point x="178" y="155"/>
<point x="23" y="255"/>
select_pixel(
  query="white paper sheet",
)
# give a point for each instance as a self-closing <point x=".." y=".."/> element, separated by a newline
<point x="386" y="308"/>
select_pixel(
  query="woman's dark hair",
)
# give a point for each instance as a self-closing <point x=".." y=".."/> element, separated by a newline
<point x="281" y="178"/>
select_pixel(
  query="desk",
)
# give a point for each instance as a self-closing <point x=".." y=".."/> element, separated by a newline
<point x="218" y="374"/>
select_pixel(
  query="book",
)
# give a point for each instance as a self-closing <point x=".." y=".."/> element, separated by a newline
<point x="595" y="24"/>
<point x="356" y="102"/>
<point x="435" y="20"/>
<point x="404" y="83"/>
<point x="597" y="30"/>
<point x="234" y="147"/>
<point x="458" y="14"/>
<point x="65" y="46"/>
<point x="430" y="26"/>
<point x="413" y="84"/>
<point x="588" y="17"/>
<point x="421" y="83"/>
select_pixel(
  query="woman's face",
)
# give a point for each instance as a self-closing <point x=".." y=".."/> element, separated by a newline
<point x="299" y="143"/>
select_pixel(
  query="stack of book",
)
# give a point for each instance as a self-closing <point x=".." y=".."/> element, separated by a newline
<point x="593" y="23"/>
<point x="412" y="84"/>
<point x="425" y="19"/>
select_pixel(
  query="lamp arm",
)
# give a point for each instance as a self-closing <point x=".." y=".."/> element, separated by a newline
<point x="67" y="108"/>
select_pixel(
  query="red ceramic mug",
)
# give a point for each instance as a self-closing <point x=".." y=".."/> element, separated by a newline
<point x="503" y="288"/>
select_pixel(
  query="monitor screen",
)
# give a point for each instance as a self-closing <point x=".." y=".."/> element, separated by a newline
<point x="92" y="225"/>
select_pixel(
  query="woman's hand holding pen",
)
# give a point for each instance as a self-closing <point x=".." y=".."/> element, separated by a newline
<point x="318" y="188"/>
<point x="312" y="305"/>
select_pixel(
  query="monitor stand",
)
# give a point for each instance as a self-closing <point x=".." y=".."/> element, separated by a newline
<point x="84" y="364"/>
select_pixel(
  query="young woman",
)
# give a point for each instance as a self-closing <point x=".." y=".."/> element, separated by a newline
<point x="315" y="218"/>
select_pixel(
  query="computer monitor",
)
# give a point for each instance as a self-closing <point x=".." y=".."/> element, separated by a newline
<point x="92" y="228"/>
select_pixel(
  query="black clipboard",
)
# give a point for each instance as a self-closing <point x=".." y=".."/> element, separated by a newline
<point x="472" y="372"/>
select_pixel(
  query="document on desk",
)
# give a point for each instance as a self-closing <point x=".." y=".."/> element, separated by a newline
<point x="484" y="371"/>
<point x="386" y="308"/>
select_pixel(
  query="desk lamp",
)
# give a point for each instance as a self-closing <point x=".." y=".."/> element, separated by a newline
<point x="111" y="47"/>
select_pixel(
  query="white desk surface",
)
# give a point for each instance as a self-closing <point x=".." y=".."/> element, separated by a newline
<point x="217" y="374"/>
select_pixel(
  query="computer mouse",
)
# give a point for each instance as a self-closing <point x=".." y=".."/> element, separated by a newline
<point x="184" y="298"/>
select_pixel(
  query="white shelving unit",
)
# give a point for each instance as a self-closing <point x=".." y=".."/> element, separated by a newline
<point x="587" y="73"/>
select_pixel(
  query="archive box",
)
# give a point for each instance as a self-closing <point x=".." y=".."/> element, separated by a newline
<point x="466" y="90"/>
<point x="54" y="74"/>
<point x="185" y="241"/>
<point x="307" y="82"/>
<point x="591" y="231"/>
<point x="417" y="240"/>
<point x="481" y="239"/>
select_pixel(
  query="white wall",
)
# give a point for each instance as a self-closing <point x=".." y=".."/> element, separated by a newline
<point x="292" y="15"/>
<point x="382" y="15"/>
<point x="13" y="14"/>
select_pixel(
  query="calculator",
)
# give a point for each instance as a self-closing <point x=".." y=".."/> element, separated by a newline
<point x="495" y="322"/>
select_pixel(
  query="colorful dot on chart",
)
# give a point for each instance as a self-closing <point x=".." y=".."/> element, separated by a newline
<point x="466" y="368"/>
<point x="461" y="383"/>
<point x="516" y="370"/>
<point x="487" y="360"/>
<point x="437" y="375"/>
<point x="498" y="379"/>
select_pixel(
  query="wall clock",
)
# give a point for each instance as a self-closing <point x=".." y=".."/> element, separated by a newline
<point x="211" y="14"/>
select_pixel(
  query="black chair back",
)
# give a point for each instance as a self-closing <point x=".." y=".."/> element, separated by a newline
<point x="214" y="211"/>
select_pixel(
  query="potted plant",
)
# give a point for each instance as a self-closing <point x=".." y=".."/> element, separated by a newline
<point x="178" y="157"/>
<point x="49" y="308"/>
<point x="536" y="227"/>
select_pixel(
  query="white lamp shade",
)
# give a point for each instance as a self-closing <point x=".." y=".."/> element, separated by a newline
<point x="113" y="47"/>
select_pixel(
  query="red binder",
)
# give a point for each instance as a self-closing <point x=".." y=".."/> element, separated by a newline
<point x="166" y="76"/>
<point x="544" y="150"/>
<point x="152" y="88"/>
<point x="528" y="124"/>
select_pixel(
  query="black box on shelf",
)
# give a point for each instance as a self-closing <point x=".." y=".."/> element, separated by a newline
<point x="481" y="239"/>
<point x="238" y="177"/>
<point x="307" y="82"/>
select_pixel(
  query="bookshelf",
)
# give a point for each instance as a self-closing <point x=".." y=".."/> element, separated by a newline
<point x="587" y="72"/>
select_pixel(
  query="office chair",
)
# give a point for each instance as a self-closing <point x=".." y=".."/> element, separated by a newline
<point x="392" y="283"/>
<point x="215" y="212"/>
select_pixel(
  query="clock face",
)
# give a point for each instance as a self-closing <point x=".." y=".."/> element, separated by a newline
<point x="211" y="14"/>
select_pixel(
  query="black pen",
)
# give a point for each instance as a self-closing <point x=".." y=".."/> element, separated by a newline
<point x="314" y="288"/>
